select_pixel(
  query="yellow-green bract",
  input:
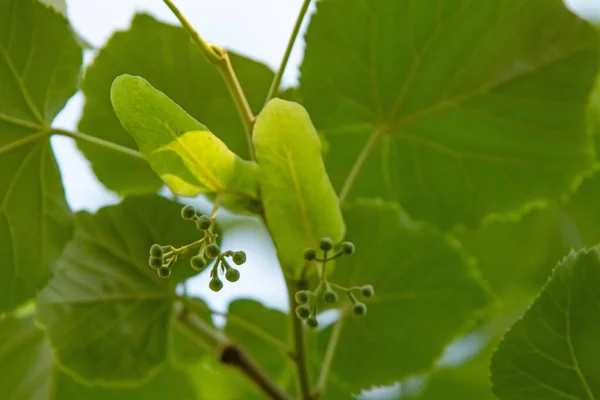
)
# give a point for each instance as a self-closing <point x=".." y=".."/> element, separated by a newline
<point x="299" y="201"/>
<point x="182" y="151"/>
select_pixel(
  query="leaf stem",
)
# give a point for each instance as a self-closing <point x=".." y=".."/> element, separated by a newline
<point x="220" y="59"/>
<point x="302" y="370"/>
<point x="329" y="353"/>
<point x="288" y="51"/>
<point x="102" y="143"/>
<point x="228" y="353"/>
<point x="358" y="164"/>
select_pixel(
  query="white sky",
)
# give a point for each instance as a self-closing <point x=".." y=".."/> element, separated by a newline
<point x="257" y="28"/>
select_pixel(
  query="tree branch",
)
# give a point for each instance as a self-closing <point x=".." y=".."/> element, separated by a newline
<point x="302" y="370"/>
<point x="228" y="353"/>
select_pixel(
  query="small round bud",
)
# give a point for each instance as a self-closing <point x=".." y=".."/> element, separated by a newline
<point x="215" y="284"/>
<point x="163" y="272"/>
<point x="303" y="311"/>
<point x="326" y="244"/>
<point x="212" y="250"/>
<point x="239" y="257"/>
<point x="359" y="309"/>
<point x="367" y="291"/>
<point x="188" y="212"/>
<point x="198" y="263"/>
<point x="156" y="251"/>
<point x="203" y="223"/>
<point x="232" y="275"/>
<point x="312" y="322"/>
<point x="330" y="296"/>
<point x="302" y="296"/>
<point x="309" y="254"/>
<point x="348" y="247"/>
<point x="155" y="262"/>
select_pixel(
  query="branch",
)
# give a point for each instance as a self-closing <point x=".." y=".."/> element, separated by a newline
<point x="220" y="59"/>
<point x="302" y="371"/>
<point x="228" y="353"/>
<point x="99" y="142"/>
<point x="288" y="51"/>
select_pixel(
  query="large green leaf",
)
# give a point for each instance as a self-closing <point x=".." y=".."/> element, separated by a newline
<point x="28" y="371"/>
<point x="170" y="61"/>
<point x="299" y="202"/>
<point x="182" y="151"/>
<point x="552" y="352"/>
<point x="106" y="311"/>
<point x="39" y="69"/>
<point x="426" y="291"/>
<point x="535" y="240"/>
<point x="461" y="109"/>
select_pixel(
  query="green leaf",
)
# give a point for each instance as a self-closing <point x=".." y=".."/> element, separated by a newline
<point x="299" y="202"/>
<point x="166" y="57"/>
<point x="105" y="310"/>
<point x="552" y="352"/>
<point x="182" y="151"/>
<point x="426" y="291"/>
<point x="39" y="69"/>
<point x="29" y="372"/>
<point x="247" y="323"/>
<point x="460" y="109"/>
<point x="535" y="240"/>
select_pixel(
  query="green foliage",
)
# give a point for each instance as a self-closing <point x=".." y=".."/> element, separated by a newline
<point x="464" y="109"/>
<point x="459" y="136"/>
<point x="104" y="299"/>
<point x="552" y="351"/>
<point x="187" y="157"/>
<point x="29" y="372"/>
<point x="299" y="202"/>
<point x="39" y="69"/>
<point x="426" y="290"/>
<point x="165" y="56"/>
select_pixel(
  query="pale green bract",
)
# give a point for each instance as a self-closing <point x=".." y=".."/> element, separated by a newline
<point x="184" y="153"/>
<point x="299" y="201"/>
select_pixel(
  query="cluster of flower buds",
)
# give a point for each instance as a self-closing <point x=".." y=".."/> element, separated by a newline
<point x="308" y="300"/>
<point x="162" y="258"/>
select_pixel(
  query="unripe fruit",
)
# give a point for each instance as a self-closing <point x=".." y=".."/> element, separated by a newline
<point x="326" y="244"/>
<point x="367" y="291"/>
<point x="212" y="250"/>
<point x="312" y="322"/>
<point x="155" y="262"/>
<point x="215" y="284"/>
<point x="348" y="247"/>
<point x="188" y="212"/>
<point x="309" y="254"/>
<point x="232" y="275"/>
<point x="359" y="309"/>
<point x="198" y="263"/>
<point x="330" y="296"/>
<point x="239" y="257"/>
<point x="163" y="272"/>
<point x="203" y="223"/>
<point x="302" y="296"/>
<point x="156" y="251"/>
<point x="303" y="311"/>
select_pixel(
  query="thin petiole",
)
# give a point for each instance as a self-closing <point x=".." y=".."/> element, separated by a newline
<point x="102" y="143"/>
<point x="288" y="51"/>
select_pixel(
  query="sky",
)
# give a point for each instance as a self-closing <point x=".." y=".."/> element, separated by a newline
<point x="259" y="29"/>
